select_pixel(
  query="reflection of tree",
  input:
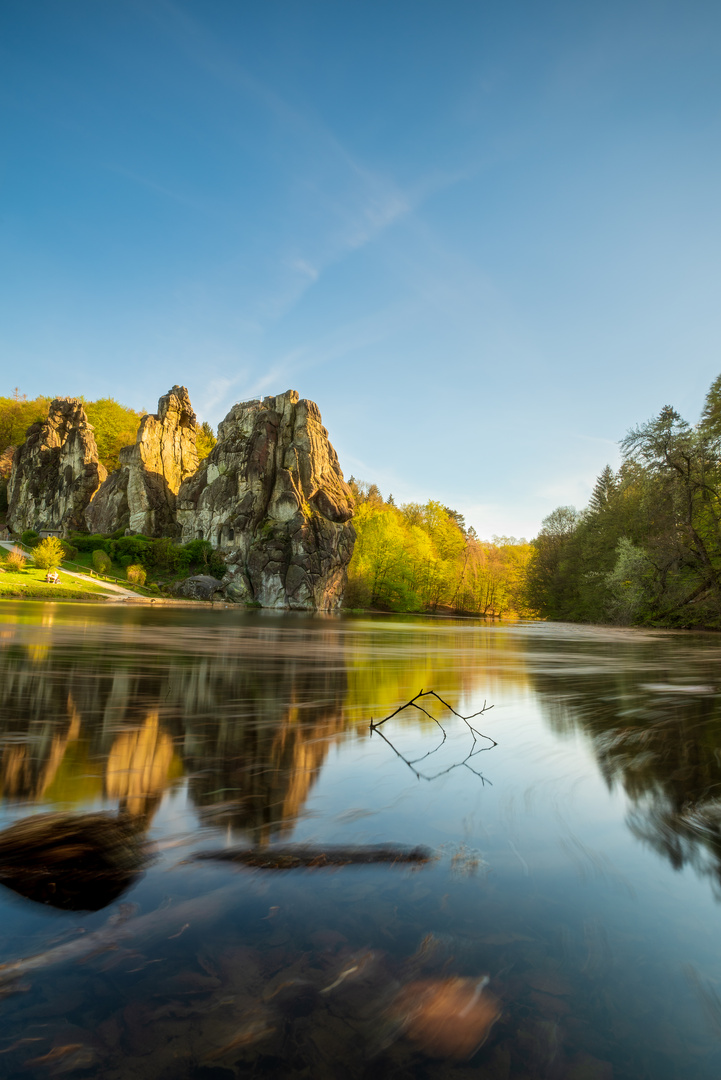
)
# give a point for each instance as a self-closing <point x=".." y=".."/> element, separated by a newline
<point x="661" y="742"/>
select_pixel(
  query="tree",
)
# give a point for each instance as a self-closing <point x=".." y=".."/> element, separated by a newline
<point x="205" y="440"/>
<point x="49" y="553"/>
<point x="603" y="490"/>
<point x="551" y="586"/>
<point x="685" y="464"/>
<point x="114" y="426"/>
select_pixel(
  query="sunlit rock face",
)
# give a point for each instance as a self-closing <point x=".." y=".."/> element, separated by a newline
<point x="271" y="496"/>
<point x="141" y="494"/>
<point x="56" y="472"/>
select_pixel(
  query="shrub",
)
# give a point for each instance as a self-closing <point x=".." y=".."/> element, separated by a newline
<point x="16" y="559"/>
<point x="49" y="553"/>
<point x="136" y="574"/>
<point x="139" y="548"/>
<point x="30" y="537"/>
<point x="101" y="561"/>
<point x="88" y="543"/>
<point x="69" y="552"/>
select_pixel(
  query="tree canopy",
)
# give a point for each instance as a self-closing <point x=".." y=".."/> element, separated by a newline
<point x="647" y="549"/>
<point x="419" y="557"/>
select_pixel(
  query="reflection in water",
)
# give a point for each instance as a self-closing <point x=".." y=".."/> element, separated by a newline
<point x="546" y="938"/>
<point x="660" y="740"/>
<point x="139" y="767"/>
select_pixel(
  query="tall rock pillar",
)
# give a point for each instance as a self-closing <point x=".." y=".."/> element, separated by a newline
<point x="272" y="498"/>
<point x="56" y="472"/>
<point x="141" y="494"/>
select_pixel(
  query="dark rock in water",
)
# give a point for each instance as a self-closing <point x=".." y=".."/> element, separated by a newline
<point x="79" y="862"/>
<point x="271" y="496"/>
<point x="199" y="587"/>
<point x="141" y="494"/>
<point x="56" y="472"/>
<point x="294" y="857"/>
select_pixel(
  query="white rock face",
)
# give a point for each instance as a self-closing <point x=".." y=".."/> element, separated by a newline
<point x="141" y="494"/>
<point x="271" y="496"/>
<point x="56" y="472"/>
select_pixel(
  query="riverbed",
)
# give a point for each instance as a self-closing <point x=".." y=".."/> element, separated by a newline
<point x="564" y="922"/>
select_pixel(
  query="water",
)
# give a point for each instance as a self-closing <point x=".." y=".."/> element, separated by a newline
<point x="576" y="864"/>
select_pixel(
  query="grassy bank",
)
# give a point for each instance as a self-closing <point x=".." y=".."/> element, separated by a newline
<point x="31" y="583"/>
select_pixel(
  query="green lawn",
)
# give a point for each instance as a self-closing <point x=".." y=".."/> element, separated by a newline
<point x="32" y="583"/>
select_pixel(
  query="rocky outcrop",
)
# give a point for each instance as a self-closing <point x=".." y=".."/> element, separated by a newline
<point x="272" y="498"/>
<point x="141" y="494"/>
<point x="199" y="587"/>
<point x="56" y="472"/>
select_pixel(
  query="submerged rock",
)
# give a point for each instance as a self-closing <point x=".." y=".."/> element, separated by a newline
<point x="271" y="496"/>
<point x="79" y="862"/>
<point x="447" y="1018"/>
<point x="56" y="471"/>
<point x="141" y="494"/>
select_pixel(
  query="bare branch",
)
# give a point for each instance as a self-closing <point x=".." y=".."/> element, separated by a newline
<point x="475" y="736"/>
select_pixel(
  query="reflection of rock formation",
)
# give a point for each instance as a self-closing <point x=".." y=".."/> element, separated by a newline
<point x="138" y="767"/>
<point x="249" y="716"/>
<point x="271" y="495"/>
<point x="25" y="775"/>
<point x="660" y="741"/>
<point x="56" y="472"/>
<point x="141" y="494"/>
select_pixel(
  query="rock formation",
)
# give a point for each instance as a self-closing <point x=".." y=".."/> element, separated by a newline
<point x="199" y="587"/>
<point x="141" y="494"/>
<point x="56" y="472"/>
<point x="272" y="498"/>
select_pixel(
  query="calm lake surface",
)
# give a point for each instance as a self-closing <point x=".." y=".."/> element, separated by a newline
<point x="577" y="863"/>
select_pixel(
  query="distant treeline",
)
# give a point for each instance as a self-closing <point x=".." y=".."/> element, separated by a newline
<point x="647" y="549"/>
<point x="115" y="425"/>
<point x="423" y="558"/>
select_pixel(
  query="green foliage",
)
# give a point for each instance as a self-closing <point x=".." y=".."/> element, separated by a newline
<point x="49" y="554"/>
<point x="205" y="440"/>
<point x="115" y="426"/>
<point x="161" y="556"/>
<point x="629" y="585"/>
<point x="30" y="537"/>
<point x="101" y="561"/>
<point x="420" y="558"/>
<point x="16" y="559"/>
<point x="136" y="574"/>
<point x="69" y="551"/>
<point x="16" y="416"/>
<point x="648" y="547"/>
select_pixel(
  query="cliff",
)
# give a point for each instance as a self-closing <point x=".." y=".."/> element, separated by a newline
<point x="141" y="494"/>
<point x="272" y="498"/>
<point x="56" y="472"/>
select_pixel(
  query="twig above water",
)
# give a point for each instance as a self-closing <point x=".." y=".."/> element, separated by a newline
<point x="475" y="736"/>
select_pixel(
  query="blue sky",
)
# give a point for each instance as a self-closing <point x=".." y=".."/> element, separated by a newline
<point x="484" y="237"/>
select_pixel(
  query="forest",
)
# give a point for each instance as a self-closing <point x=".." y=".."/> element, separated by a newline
<point x="423" y="558"/>
<point x="647" y="548"/>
